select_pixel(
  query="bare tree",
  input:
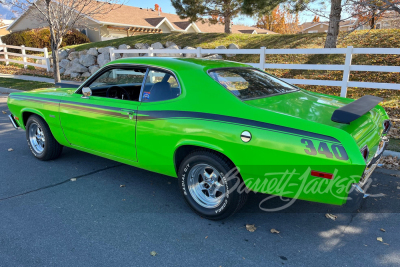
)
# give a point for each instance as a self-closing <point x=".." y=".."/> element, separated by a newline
<point x="319" y="7"/>
<point x="381" y="5"/>
<point x="61" y="16"/>
<point x="334" y="23"/>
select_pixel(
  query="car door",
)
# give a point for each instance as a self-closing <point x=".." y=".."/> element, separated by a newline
<point x="105" y="122"/>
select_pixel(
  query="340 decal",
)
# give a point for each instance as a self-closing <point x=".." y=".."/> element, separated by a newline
<point x="335" y="150"/>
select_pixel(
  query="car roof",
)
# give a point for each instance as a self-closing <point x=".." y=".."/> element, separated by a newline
<point x="175" y="63"/>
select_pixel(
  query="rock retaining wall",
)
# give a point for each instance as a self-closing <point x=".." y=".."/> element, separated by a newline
<point x="85" y="63"/>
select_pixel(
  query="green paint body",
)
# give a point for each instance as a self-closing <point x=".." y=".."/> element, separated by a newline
<point x="151" y="142"/>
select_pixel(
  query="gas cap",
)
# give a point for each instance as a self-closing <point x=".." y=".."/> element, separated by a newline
<point x="245" y="136"/>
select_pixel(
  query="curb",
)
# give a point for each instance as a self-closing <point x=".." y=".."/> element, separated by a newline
<point x="37" y="79"/>
<point x="7" y="90"/>
<point x="391" y="153"/>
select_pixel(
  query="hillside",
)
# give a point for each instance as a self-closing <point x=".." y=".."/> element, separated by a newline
<point x="374" y="38"/>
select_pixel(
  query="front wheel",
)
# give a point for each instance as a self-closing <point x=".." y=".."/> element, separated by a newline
<point x="209" y="182"/>
<point x="41" y="141"/>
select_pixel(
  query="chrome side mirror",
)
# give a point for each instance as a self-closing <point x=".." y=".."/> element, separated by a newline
<point x="86" y="92"/>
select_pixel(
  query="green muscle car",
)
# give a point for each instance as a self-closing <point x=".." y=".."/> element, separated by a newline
<point x="222" y="128"/>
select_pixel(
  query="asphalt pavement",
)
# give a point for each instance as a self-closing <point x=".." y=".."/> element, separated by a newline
<point x="112" y="214"/>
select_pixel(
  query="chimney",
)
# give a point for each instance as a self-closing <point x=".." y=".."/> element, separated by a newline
<point x="159" y="12"/>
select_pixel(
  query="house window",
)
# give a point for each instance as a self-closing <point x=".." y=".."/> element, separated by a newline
<point x="378" y="26"/>
<point x="312" y="31"/>
<point x="386" y="24"/>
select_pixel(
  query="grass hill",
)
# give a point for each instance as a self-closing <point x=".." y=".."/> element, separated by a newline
<point x="373" y="38"/>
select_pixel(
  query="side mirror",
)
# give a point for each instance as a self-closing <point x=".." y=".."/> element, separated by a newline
<point x="86" y="92"/>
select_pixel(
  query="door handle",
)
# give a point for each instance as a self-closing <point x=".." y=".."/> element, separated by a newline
<point x="128" y="112"/>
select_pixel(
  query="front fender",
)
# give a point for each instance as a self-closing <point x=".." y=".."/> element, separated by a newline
<point x="24" y="118"/>
<point x="52" y="122"/>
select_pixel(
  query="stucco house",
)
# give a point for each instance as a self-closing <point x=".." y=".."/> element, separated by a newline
<point x="318" y="27"/>
<point x="4" y="23"/>
<point x="390" y="20"/>
<point x="128" y="21"/>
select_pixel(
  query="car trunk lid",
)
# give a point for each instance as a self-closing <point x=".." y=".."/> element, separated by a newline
<point x="318" y="108"/>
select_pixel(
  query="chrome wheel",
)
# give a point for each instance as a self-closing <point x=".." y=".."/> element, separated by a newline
<point x="36" y="138"/>
<point x="206" y="186"/>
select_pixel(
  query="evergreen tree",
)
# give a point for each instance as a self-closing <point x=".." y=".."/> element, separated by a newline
<point x="214" y="11"/>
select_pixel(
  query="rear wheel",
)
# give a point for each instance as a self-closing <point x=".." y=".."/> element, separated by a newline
<point x="208" y="182"/>
<point x="41" y="141"/>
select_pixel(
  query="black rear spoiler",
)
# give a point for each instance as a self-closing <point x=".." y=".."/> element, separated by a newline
<point x="356" y="109"/>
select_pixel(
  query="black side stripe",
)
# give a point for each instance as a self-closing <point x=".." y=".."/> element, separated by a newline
<point x="165" y="114"/>
<point x="235" y="120"/>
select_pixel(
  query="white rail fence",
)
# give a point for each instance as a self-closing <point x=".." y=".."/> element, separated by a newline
<point x="263" y="52"/>
<point x="25" y="56"/>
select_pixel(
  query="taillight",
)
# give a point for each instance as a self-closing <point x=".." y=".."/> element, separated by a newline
<point x="386" y="126"/>
<point x="322" y="174"/>
<point x="365" y="153"/>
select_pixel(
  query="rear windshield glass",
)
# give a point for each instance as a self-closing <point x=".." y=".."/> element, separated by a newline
<point x="247" y="83"/>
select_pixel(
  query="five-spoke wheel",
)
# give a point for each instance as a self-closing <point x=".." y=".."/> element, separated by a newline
<point x="206" y="186"/>
<point x="41" y="141"/>
<point x="208" y="182"/>
<point x="36" y="137"/>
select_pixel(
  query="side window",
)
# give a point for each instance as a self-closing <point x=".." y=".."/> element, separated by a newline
<point x="119" y="83"/>
<point x="160" y="86"/>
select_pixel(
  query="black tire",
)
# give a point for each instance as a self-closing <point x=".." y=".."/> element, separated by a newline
<point x="231" y="202"/>
<point x="52" y="149"/>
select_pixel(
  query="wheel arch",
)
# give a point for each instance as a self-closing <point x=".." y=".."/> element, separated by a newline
<point x="27" y="112"/>
<point x="184" y="149"/>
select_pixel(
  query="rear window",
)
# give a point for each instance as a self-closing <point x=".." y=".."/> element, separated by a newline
<point x="247" y="83"/>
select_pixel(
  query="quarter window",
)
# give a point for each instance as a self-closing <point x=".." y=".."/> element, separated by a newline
<point x="160" y="86"/>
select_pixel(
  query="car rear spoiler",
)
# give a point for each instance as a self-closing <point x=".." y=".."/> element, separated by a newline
<point x="356" y="109"/>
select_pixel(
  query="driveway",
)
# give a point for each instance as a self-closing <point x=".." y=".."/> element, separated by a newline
<point x="112" y="214"/>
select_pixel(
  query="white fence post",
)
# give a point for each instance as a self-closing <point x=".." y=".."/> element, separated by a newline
<point x="198" y="52"/>
<point x="5" y="54"/>
<point x="346" y="71"/>
<point x="150" y="52"/>
<point x="23" y="56"/>
<point x="47" y="59"/>
<point x="262" y="58"/>
<point x="112" y="54"/>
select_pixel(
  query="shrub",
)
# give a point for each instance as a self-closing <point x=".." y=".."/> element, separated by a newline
<point x="40" y="38"/>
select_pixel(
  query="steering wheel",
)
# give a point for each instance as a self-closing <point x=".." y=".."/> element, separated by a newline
<point x="116" y="91"/>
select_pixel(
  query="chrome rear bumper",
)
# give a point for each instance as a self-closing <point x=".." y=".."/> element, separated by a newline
<point x="357" y="191"/>
<point x="374" y="161"/>
<point x="13" y="122"/>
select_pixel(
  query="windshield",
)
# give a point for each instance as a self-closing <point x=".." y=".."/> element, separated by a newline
<point x="247" y="83"/>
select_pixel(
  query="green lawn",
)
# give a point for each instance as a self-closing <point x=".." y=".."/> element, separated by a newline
<point x="22" y="84"/>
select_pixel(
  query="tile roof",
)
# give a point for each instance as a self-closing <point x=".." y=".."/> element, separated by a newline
<point x="135" y="16"/>
<point x="306" y="25"/>
<point x="220" y="28"/>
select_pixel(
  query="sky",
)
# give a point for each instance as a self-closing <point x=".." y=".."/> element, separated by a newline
<point x="5" y="12"/>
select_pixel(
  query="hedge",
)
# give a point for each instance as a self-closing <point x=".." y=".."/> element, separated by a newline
<point x="40" y="38"/>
